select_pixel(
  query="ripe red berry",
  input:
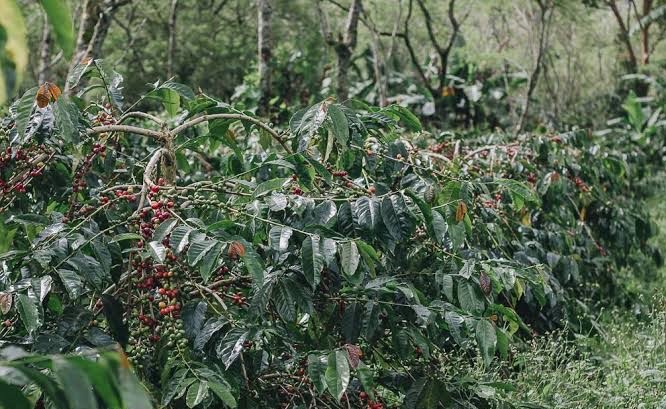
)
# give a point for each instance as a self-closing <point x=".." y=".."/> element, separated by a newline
<point x="155" y="205"/>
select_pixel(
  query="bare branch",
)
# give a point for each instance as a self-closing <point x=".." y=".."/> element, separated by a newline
<point x="126" y="129"/>
<point x="255" y="121"/>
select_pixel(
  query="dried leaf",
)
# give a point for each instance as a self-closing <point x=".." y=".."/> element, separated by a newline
<point x="485" y="283"/>
<point x="43" y="96"/>
<point x="6" y="300"/>
<point x="236" y="250"/>
<point x="47" y="92"/>
<point x="355" y="353"/>
<point x="461" y="211"/>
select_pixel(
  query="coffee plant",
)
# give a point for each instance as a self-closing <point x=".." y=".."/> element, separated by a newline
<point x="340" y="260"/>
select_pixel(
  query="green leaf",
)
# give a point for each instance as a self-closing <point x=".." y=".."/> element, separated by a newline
<point x="468" y="269"/>
<point x="309" y="123"/>
<point x="182" y="90"/>
<point x="231" y="346"/>
<point x="103" y="255"/>
<point x="339" y="125"/>
<point x="125" y="236"/>
<point x="396" y="217"/>
<point x="312" y="260"/>
<point x="76" y="386"/>
<point x="635" y="115"/>
<point x="337" y="374"/>
<point x="170" y="101"/>
<point x="193" y="316"/>
<point x="439" y="227"/>
<point x="502" y="343"/>
<point x="349" y="257"/>
<point x="164" y="229"/>
<point x="196" y="393"/>
<point x="176" y="385"/>
<point x="270" y="186"/>
<point x="67" y="117"/>
<point x="317" y="371"/>
<point x="487" y="340"/>
<point x="28" y="309"/>
<point x="277" y="202"/>
<point x="98" y="375"/>
<point x="198" y="249"/>
<point x="113" y="311"/>
<point x="519" y="192"/>
<point x="406" y="116"/>
<point x="157" y="251"/>
<point x="369" y="256"/>
<point x="11" y="397"/>
<point x="253" y="263"/>
<point x="426" y="393"/>
<point x="180" y="237"/>
<point x="48" y="386"/>
<point x="72" y="283"/>
<point x="223" y="392"/>
<point x="61" y="23"/>
<point x="279" y="238"/>
<point x="24" y="107"/>
<point x="133" y="394"/>
<point x="365" y="376"/>
<point x="368" y="212"/>
<point x="209" y="262"/>
<point x="468" y="299"/>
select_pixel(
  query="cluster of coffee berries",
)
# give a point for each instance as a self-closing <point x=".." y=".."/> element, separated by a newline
<point x="79" y="183"/>
<point x="21" y="163"/>
<point x="127" y="194"/>
<point x="493" y="203"/>
<point x="581" y="185"/>
<point x="439" y="147"/>
<point x="532" y="177"/>
<point x="340" y="173"/>
<point x="238" y="299"/>
<point x="104" y="118"/>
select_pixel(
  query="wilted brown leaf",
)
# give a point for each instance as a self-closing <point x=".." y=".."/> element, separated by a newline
<point x="485" y="283"/>
<point x="6" y="300"/>
<point x="47" y="92"/>
<point x="236" y="250"/>
<point x="355" y="353"/>
<point x="461" y="211"/>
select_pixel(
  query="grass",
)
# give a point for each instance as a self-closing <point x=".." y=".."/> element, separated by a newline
<point x="622" y="366"/>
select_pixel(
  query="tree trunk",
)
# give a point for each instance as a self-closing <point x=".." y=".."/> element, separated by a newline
<point x="545" y="14"/>
<point x="378" y="68"/>
<point x="264" y="39"/>
<point x="171" y="48"/>
<point x="343" y="46"/>
<point x="44" y="53"/>
<point x="94" y="23"/>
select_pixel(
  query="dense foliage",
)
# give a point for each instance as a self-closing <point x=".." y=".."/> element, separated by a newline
<point x="336" y="261"/>
<point x="277" y="246"/>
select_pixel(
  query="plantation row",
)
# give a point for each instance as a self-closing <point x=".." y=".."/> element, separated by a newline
<point x="338" y="260"/>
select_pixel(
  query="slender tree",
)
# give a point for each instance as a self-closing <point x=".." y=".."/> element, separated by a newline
<point x="443" y="50"/>
<point x="343" y="45"/>
<point x="544" y="17"/>
<point x="44" y="53"/>
<point x="171" y="48"/>
<point x="94" y="23"/>
<point x="264" y="45"/>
